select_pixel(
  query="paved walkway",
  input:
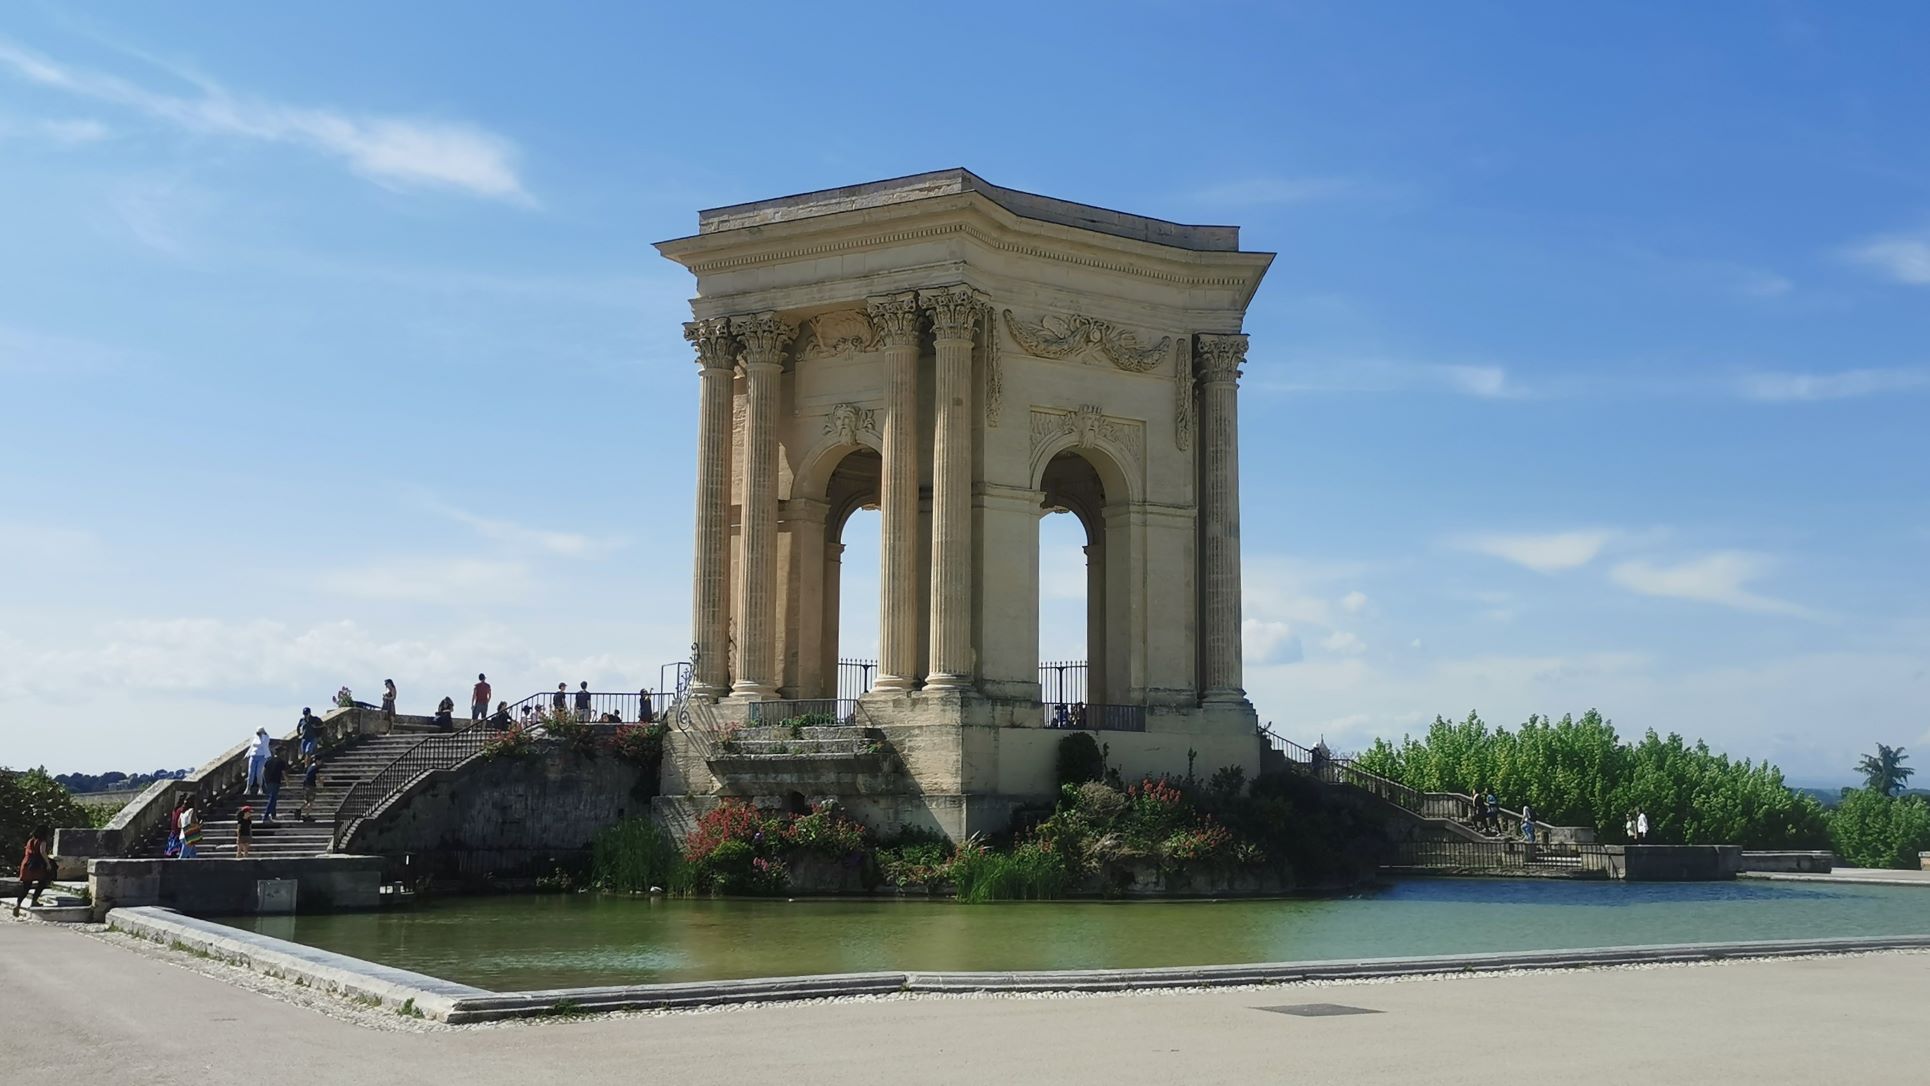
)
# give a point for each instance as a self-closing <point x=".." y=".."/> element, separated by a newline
<point x="1879" y="875"/>
<point x="82" y="1010"/>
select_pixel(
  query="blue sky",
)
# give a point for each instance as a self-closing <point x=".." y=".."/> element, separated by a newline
<point x="1594" y="369"/>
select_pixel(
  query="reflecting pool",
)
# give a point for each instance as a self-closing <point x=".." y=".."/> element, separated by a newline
<point x="515" y="943"/>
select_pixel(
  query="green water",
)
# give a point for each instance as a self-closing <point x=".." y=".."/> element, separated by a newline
<point x="550" y="941"/>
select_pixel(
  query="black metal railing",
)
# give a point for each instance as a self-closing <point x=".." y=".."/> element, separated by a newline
<point x="839" y="710"/>
<point x="854" y="678"/>
<point x="595" y="706"/>
<point x="445" y="751"/>
<point x="1087" y="717"/>
<point x="1499" y="856"/>
<point x="1063" y="682"/>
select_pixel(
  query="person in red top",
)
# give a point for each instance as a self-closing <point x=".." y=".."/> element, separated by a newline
<point x="479" y="698"/>
<point x="36" y="870"/>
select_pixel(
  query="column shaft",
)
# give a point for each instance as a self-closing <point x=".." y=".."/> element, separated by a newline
<point x="1219" y="358"/>
<point x="710" y="585"/>
<point x="954" y="314"/>
<point x="763" y="338"/>
<point x="896" y="319"/>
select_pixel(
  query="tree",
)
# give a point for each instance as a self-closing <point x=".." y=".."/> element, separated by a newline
<point x="33" y="799"/>
<point x="1870" y="829"/>
<point x="1884" y="771"/>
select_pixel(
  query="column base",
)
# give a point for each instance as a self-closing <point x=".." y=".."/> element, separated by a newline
<point x="1224" y="695"/>
<point x="949" y="685"/>
<point x="708" y="691"/>
<point x="750" y="691"/>
<point x="892" y="684"/>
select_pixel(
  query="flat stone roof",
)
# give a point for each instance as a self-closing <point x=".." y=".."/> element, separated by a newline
<point x="926" y="186"/>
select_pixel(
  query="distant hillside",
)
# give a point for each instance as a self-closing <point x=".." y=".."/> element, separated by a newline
<point x="1830" y="797"/>
<point x="81" y="784"/>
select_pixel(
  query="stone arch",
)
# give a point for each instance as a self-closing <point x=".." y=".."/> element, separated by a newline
<point x="845" y="432"/>
<point x="1089" y="482"/>
<point x="1118" y="468"/>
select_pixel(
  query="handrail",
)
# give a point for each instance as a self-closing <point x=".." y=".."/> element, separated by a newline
<point x="1452" y="806"/>
<point x="1086" y="716"/>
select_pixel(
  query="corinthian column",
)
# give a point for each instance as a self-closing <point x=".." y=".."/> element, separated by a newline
<point x="896" y="319"/>
<point x="1218" y="360"/>
<point x="763" y="337"/>
<point x="710" y="588"/>
<point x="954" y="314"/>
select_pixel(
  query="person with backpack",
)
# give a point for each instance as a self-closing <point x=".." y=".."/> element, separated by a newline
<point x="311" y="783"/>
<point x="272" y="774"/>
<point x="309" y="727"/>
<point x="36" y="869"/>
<point x="173" y="847"/>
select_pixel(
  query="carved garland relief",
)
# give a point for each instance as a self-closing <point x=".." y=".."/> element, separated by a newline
<point x="1059" y="337"/>
<point x="830" y="335"/>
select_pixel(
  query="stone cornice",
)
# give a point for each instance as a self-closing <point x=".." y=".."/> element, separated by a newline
<point x="972" y="216"/>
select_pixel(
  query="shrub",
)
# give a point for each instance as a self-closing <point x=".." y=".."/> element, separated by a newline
<point x="1034" y="870"/>
<point x="798" y="723"/>
<point x="33" y="799"/>
<point x="915" y="858"/>
<point x="826" y="832"/>
<point x="1080" y="759"/>
<point x="576" y="735"/>
<point x="515" y="742"/>
<point x="639" y="743"/>
<point x="1870" y="829"/>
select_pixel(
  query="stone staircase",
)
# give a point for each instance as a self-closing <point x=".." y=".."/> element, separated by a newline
<point x="62" y="903"/>
<point x="294" y="832"/>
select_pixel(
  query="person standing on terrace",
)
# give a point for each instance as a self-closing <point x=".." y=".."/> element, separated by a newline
<point x="479" y="698"/>
<point x="583" y="702"/>
<point x="257" y="758"/>
<point x="388" y="700"/>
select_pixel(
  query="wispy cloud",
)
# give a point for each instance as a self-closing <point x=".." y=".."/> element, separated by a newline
<point x="1361" y="375"/>
<point x="454" y="582"/>
<point x="1550" y="552"/>
<point x="524" y="538"/>
<point x="1904" y="258"/>
<point x="1847" y="384"/>
<point x="1722" y="578"/>
<point x="62" y="131"/>
<point x="395" y="151"/>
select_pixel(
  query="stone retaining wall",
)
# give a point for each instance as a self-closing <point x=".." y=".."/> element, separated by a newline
<point x="230" y="887"/>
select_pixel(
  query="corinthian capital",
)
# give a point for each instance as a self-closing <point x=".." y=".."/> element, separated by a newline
<point x="764" y="336"/>
<point x="895" y="316"/>
<point x="1218" y="357"/>
<point x="954" y="311"/>
<point x="716" y="347"/>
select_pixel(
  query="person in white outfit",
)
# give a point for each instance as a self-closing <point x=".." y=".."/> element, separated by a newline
<point x="1642" y="826"/>
<point x="257" y="758"/>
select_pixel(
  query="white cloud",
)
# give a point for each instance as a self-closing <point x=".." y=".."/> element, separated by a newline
<point x="521" y="537"/>
<point x="418" y="153"/>
<point x="1354" y="602"/>
<point x="1901" y="257"/>
<point x="1343" y="641"/>
<point x="1263" y="642"/>
<point x="452" y="581"/>
<point x="1383" y="375"/>
<point x="1721" y="578"/>
<point x="1543" y="553"/>
<point x="1847" y="384"/>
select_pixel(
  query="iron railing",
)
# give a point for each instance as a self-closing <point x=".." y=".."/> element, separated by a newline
<point x="1103" y="718"/>
<point x="595" y="706"/>
<point x="841" y="710"/>
<point x="854" y="678"/>
<point x="1063" y="682"/>
<point x="1500" y="856"/>
<point x="443" y="751"/>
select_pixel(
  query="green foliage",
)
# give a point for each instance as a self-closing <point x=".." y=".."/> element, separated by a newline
<point x="574" y="734"/>
<point x="639" y="743"/>
<point x="914" y="858"/>
<point x="1033" y="871"/>
<point x="798" y="723"/>
<point x="1884" y="771"/>
<point x="635" y="855"/>
<point x="514" y="742"/>
<point x="32" y="798"/>
<point x="1578" y="772"/>
<point x="1080" y="759"/>
<point x="1871" y="829"/>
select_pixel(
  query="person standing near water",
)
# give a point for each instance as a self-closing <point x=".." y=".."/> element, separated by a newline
<point x="1642" y="827"/>
<point x="1528" y="823"/>
<point x="190" y="831"/>
<point x="257" y="758"/>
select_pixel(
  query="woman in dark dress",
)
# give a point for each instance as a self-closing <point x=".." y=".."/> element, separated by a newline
<point x="36" y="870"/>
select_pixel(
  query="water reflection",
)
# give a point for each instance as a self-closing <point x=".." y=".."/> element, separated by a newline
<point x="516" y="943"/>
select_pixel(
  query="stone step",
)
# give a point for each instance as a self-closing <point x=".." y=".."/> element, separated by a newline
<point x="62" y="914"/>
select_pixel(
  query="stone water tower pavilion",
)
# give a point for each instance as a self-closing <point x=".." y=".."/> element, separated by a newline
<point x="966" y="359"/>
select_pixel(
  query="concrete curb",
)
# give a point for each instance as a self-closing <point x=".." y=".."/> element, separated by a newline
<point x="460" y="1003"/>
<point x="339" y="974"/>
<point x="1833" y="880"/>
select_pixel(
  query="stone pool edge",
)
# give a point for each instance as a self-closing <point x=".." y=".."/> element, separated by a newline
<point x="458" y="1004"/>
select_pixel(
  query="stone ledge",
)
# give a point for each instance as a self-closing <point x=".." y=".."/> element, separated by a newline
<point x="324" y="970"/>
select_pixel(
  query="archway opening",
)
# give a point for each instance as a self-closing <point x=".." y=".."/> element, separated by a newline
<point x="1072" y="589"/>
<point x="853" y="595"/>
